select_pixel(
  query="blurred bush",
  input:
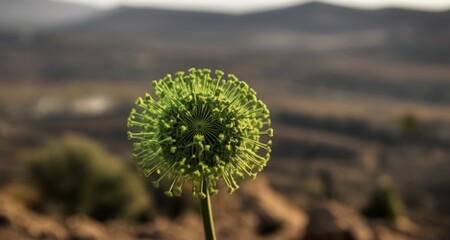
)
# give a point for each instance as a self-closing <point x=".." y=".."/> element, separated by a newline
<point x="75" y="175"/>
<point x="410" y="126"/>
<point x="384" y="202"/>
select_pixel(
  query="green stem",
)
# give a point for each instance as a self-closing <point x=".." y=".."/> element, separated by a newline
<point x="208" y="223"/>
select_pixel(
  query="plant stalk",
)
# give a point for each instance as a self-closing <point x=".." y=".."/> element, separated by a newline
<point x="208" y="223"/>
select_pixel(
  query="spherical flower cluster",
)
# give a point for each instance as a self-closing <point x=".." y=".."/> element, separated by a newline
<point x="202" y="128"/>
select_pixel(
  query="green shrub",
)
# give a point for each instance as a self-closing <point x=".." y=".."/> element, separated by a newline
<point x="74" y="175"/>
<point x="410" y="126"/>
<point x="385" y="203"/>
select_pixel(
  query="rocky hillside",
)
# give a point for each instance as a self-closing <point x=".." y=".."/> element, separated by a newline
<point x="254" y="212"/>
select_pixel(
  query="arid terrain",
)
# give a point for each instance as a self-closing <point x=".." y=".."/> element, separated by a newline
<point x="358" y="99"/>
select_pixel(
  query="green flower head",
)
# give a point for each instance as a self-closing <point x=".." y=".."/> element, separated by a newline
<point x="202" y="128"/>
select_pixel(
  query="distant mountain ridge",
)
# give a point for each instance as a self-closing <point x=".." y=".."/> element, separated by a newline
<point x="289" y="23"/>
<point x="312" y="26"/>
<point x="41" y="14"/>
<point x="297" y="16"/>
<point x="312" y="17"/>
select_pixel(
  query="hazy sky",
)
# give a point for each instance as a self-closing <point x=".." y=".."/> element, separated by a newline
<point x="250" y="5"/>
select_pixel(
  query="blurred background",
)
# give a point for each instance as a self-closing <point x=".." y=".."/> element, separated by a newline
<point x="359" y="95"/>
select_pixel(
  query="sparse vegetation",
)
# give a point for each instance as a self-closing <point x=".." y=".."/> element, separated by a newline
<point x="75" y="175"/>
<point x="410" y="126"/>
<point x="384" y="202"/>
